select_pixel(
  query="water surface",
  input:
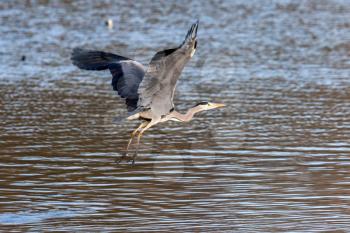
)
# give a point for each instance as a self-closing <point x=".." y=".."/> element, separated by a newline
<point x="276" y="159"/>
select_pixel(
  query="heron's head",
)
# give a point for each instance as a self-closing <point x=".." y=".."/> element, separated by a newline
<point x="203" y="106"/>
<point x="190" y="43"/>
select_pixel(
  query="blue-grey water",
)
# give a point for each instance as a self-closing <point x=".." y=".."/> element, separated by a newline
<point x="276" y="159"/>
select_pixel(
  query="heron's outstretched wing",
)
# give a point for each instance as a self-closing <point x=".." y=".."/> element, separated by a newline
<point x="156" y="90"/>
<point x="127" y="74"/>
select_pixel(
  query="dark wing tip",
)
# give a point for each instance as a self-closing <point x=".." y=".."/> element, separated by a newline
<point x="76" y="50"/>
<point x="79" y="58"/>
<point x="197" y="24"/>
<point x="94" y="60"/>
<point x="75" y="54"/>
<point x="192" y="32"/>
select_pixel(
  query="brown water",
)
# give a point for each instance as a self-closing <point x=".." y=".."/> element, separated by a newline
<point x="276" y="159"/>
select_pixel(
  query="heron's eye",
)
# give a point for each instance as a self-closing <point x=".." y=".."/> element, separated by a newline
<point x="195" y="44"/>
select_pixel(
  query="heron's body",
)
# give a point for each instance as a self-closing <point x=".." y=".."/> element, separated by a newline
<point x="148" y="93"/>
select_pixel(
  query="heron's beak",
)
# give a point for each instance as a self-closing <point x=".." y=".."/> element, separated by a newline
<point x="217" y="105"/>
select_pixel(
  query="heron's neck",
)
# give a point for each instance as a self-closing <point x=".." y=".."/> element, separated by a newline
<point x="187" y="116"/>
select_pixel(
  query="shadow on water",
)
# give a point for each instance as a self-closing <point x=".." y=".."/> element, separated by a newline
<point x="275" y="160"/>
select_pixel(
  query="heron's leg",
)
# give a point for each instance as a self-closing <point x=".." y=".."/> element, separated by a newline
<point x="150" y="124"/>
<point x="143" y="124"/>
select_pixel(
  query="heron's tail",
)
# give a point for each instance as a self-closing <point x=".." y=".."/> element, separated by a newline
<point x="94" y="60"/>
<point x="123" y="117"/>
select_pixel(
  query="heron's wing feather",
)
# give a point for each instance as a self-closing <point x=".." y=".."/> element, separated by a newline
<point x="94" y="60"/>
<point x="127" y="74"/>
<point x="156" y="90"/>
<point x="157" y="77"/>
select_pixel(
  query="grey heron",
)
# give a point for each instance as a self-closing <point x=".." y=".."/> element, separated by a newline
<point x="148" y="93"/>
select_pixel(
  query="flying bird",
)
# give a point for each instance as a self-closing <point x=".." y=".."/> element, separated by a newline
<point x="148" y="92"/>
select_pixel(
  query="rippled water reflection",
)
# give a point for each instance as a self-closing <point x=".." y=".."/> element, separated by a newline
<point x="275" y="160"/>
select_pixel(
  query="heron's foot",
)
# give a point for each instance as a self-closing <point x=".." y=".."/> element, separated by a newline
<point x="133" y="158"/>
<point x="126" y="158"/>
<point x="121" y="158"/>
